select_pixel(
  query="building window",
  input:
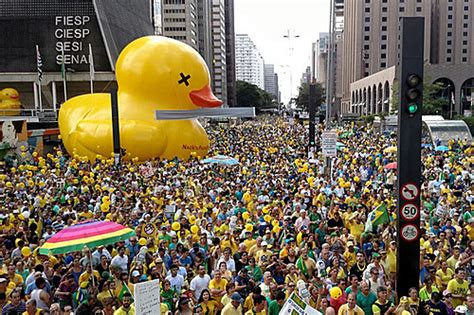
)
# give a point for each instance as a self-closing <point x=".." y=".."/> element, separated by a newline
<point x="466" y="16"/>
<point x="366" y="74"/>
<point x="450" y="16"/>
<point x="384" y="28"/>
<point x="383" y="46"/>
<point x="450" y="8"/>
<point x="418" y="9"/>
<point x="449" y="42"/>
<point x="383" y="56"/>
<point x="450" y="34"/>
<point x="448" y="59"/>
<point x="367" y="19"/>
<point x="367" y="1"/>
<point x="464" y="59"/>
<point x="367" y="28"/>
<point x="465" y="25"/>
<point x="402" y="1"/>
<point x="366" y="47"/>
<point x="384" y="19"/>
<point x="464" y="51"/>
<point x="384" y="1"/>
<point x="383" y="64"/>
<point x="448" y="51"/>
<point x="464" y="33"/>
<point x="450" y="25"/>
<point x="401" y="9"/>
<point x="367" y="10"/>
<point x="384" y="9"/>
<point x="366" y="37"/>
<point x="419" y="1"/>
<point x="466" y="8"/>
<point x="384" y="37"/>
<point x="464" y="42"/>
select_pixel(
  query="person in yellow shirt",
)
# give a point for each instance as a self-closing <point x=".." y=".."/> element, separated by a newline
<point x="217" y="286"/>
<point x="445" y="274"/>
<point x="258" y="308"/>
<point x="263" y="254"/>
<point x="350" y="255"/>
<point x="458" y="287"/>
<point x="127" y="308"/>
<point x="453" y="260"/>
<point x="86" y="275"/>
<point x="14" y="277"/>
<point x="350" y="308"/>
<point x="31" y="308"/>
<point x="249" y="241"/>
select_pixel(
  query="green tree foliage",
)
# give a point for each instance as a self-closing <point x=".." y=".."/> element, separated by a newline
<point x="250" y="95"/>
<point x="302" y="100"/>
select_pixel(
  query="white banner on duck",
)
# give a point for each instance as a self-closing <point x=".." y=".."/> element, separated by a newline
<point x="205" y="112"/>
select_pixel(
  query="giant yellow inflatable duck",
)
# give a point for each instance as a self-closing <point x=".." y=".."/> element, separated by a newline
<point x="153" y="73"/>
<point x="10" y="100"/>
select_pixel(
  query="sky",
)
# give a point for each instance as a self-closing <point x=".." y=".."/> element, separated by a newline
<point x="267" y="21"/>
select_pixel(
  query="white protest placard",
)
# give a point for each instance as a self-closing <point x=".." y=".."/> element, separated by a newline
<point x="296" y="306"/>
<point x="147" y="298"/>
<point x="329" y="143"/>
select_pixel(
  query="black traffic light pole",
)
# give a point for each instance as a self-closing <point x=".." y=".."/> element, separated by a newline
<point x="409" y="153"/>
<point x="312" y="115"/>
<point x="115" y="126"/>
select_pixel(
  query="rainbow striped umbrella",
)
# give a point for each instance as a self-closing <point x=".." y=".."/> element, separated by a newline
<point x="86" y="234"/>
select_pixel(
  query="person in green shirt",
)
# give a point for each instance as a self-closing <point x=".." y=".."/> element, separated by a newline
<point x="365" y="298"/>
<point x="275" y="305"/>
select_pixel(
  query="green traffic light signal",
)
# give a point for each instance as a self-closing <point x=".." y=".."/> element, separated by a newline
<point x="412" y="108"/>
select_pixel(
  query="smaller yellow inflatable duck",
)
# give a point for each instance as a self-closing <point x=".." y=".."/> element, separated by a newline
<point x="10" y="104"/>
<point x="153" y="73"/>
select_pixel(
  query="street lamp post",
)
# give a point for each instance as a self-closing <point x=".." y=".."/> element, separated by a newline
<point x="290" y="36"/>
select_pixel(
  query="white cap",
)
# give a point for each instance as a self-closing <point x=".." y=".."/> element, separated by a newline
<point x="264" y="243"/>
<point x="460" y="309"/>
<point x="135" y="273"/>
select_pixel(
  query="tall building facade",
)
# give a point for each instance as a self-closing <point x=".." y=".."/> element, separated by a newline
<point x="219" y="65"/>
<point x="208" y="26"/>
<point x="271" y="81"/>
<point x="371" y="41"/>
<point x="249" y="64"/>
<point x="180" y="21"/>
<point x="230" y="53"/>
<point x="321" y="58"/>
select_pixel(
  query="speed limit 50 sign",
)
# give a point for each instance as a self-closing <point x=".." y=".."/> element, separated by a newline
<point x="409" y="211"/>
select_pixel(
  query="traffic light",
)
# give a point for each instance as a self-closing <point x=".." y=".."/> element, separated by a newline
<point x="414" y="93"/>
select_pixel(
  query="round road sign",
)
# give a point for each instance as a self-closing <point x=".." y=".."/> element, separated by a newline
<point x="410" y="192"/>
<point x="409" y="233"/>
<point x="409" y="211"/>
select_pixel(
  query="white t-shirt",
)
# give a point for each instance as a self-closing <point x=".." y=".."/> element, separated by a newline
<point x="198" y="284"/>
<point x="176" y="282"/>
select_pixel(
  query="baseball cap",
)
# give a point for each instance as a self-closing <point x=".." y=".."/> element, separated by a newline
<point x="461" y="309"/>
<point x="446" y="293"/>
<point x="135" y="273"/>
<point x="236" y="297"/>
<point x="375" y="255"/>
<point x="2" y="280"/>
<point x="264" y="243"/>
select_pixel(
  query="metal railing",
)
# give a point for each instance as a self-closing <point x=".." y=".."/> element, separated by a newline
<point x="47" y="113"/>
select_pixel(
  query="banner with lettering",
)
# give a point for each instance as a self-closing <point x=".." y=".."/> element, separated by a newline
<point x="147" y="298"/>
<point x="296" y="306"/>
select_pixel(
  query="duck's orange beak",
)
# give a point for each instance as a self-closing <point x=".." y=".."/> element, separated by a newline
<point x="205" y="98"/>
<point x="14" y="96"/>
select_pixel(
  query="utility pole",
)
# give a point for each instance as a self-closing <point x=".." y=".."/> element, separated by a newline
<point x="409" y="153"/>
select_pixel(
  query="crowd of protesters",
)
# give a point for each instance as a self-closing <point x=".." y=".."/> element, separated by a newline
<point x="240" y="239"/>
